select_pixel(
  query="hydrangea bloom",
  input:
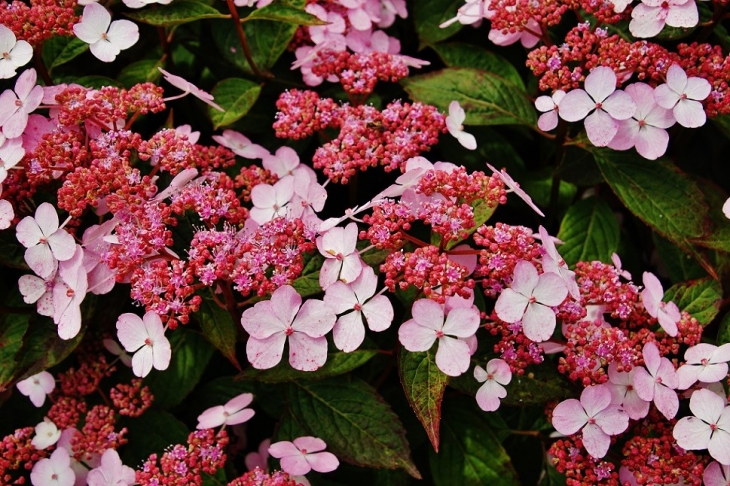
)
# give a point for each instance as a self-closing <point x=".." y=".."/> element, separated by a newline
<point x="454" y="123"/>
<point x="623" y="392"/>
<point x="302" y="455"/>
<point x="17" y="104"/>
<point x="716" y="474"/>
<point x="549" y="106"/>
<point x="650" y="16"/>
<point x="144" y="337"/>
<point x="342" y="261"/>
<point x="15" y="53"/>
<point x="53" y="471"/>
<point x="46" y="242"/>
<point x="240" y="145"/>
<point x="704" y="362"/>
<point x="106" y="38"/>
<point x="37" y="387"/>
<point x="111" y="472"/>
<point x="657" y="381"/>
<point x="667" y="313"/>
<point x="69" y="291"/>
<point x="682" y="95"/>
<point x="709" y="428"/>
<point x="232" y="413"/>
<point x="46" y="434"/>
<point x="496" y="375"/>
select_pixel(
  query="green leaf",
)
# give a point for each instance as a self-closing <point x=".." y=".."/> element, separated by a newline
<point x="190" y="355"/>
<point x="460" y="54"/>
<point x="337" y="363"/>
<point x="61" y="49"/>
<point x="152" y="432"/>
<point x="723" y="333"/>
<point x="590" y="231"/>
<point x="540" y="384"/>
<point x="236" y="96"/>
<point x="717" y="234"/>
<point x="700" y="298"/>
<point x="680" y="266"/>
<point x="470" y="454"/>
<point x="284" y="13"/>
<point x="429" y="14"/>
<point x="424" y="384"/>
<point x="12" y="253"/>
<point x="144" y="71"/>
<point x="219" y="329"/>
<point x="42" y="348"/>
<point x="307" y="285"/>
<point x="579" y="167"/>
<point x="487" y="99"/>
<point x="12" y="329"/>
<point x="176" y="13"/>
<point x="354" y="421"/>
<point x="93" y="81"/>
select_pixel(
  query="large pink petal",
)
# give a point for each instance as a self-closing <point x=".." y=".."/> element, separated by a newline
<point x="489" y="394"/>
<point x="716" y="475"/>
<point x="349" y="332"/>
<point x="94" y="22"/>
<point x="651" y="142"/>
<point x="104" y="50"/>
<point x="142" y="362"/>
<point x="644" y="384"/>
<point x="259" y="322"/>
<point x="569" y="416"/>
<point x="28" y="232"/>
<point x="600" y="83"/>
<point x="511" y="306"/>
<point x="69" y="321"/>
<point x="548" y="121"/>
<point x="687" y="375"/>
<point x="131" y="332"/>
<point x="719" y="446"/>
<point x="315" y="318"/>
<point x="428" y="314"/>
<point x="295" y="465"/>
<point x="665" y="96"/>
<point x="265" y="353"/>
<point x="452" y="356"/>
<point x="620" y="106"/>
<point x="666" y="401"/>
<point x="351" y="268"/>
<point x="340" y="297"/>
<point x="595" y="440"/>
<point x="625" y="137"/>
<point x="263" y="196"/>
<point x="415" y="337"/>
<point x="47" y="219"/>
<point x="31" y="288"/>
<point x="594" y="399"/>
<point x="40" y="259"/>
<point x="538" y="323"/>
<point x="62" y="244"/>
<point x="684" y="15"/>
<point x="713" y="373"/>
<point x="576" y="105"/>
<point x="366" y="284"/>
<point x="329" y="273"/>
<point x="322" y="462"/>
<point x="635" y="407"/>
<point x="706" y="405"/>
<point x="525" y="278"/>
<point x="212" y="418"/>
<point x="652" y="358"/>
<point x="689" y="113"/>
<point x="123" y="34"/>
<point x="285" y="303"/>
<point x="378" y="313"/>
<point x="310" y="444"/>
<point x="646" y="21"/>
<point x="550" y="290"/>
<point x="240" y="417"/>
<point x="283" y="449"/>
<point x="667" y="374"/>
<point x="499" y="369"/>
<point x="161" y="353"/>
<point x="601" y="128"/>
<point x="697" y="88"/>
<point x="238" y="402"/>
<point x="462" y="322"/>
<point x="307" y="353"/>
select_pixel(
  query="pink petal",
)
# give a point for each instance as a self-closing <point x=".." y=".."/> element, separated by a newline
<point x="238" y="402"/>
<point x="462" y="322"/>
<point x="666" y="401"/>
<point x="329" y="273"/>
<point x="212" y="418"/>
<point x="569" y="417"/>
<point x="620" y="105"/>
<point x="595" y="440"/>
<point x="32" y="288"/>
<point x="706" y="405"/>
<point x="538" y="322"/>
<point x="123" y="34"/>
<point x="550" y="290"/>
<point x="62" y="244"/>
<point x="625" y="137"/>
<point x="576" y="105"/>
<point x="351" y="268"/>
<point x="548" y="121"/>
<point x="668" y="317"/>
<point x="340" y="297"/>
<point x="315" y="318"/>
<point x="378" y="313"/>
<point x="428" y="314"/>
<point x="646" y="21"/>
<point x="489" y="394"/>
<point x="259" y="322"/>
<point x="457" y="115"/>
<point x="716" y="475"/>
<point x="452" y="356"/>
<point x="28" y="232"/>
<point x="265" y="353"/>
<point x="295" y="465"/>
<point x="651" y="142"/>
<point x="635" y="407"/>
<point x="544" y="104"/>
<point x="104" y="50"/>
<point x="283" y="449"/>
<point x="600" y="128"/>
<point x="322" y="462"/>
<point x="688" y="375"/>
<point x="415" y="337"/>
<point x="599" y="84"/>
<point x="684" y="15"/>
<point x="349" y="332"/>
<point x="644" y="384"/>
<point x="688" y="113"/>
<point x="161" y="354"/>
<point x="665" y="96"/>
<point x="697" y="88"/>
<point x="240" y="417"/>
<point x="594" y="399"/>
<point x="310" y="444"/>
<point x="285" y="303"/>
<point x="667" y="374"/>
<point x="94" y="22"/>
<point x="525" y="278"/>
<point x="652" y="294"/>
<point x="713" y="373"/>
<point x="360" y="20"/>
<point x="500" y="370"/>
<point x="40" y="259"/>
<point x="719" y="446"/>
<point x="142" y="362"/>
<point x="511" y="306"/>
<point x="307" y="353"/>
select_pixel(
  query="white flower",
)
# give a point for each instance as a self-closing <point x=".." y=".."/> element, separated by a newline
<point x="13" y="53"/>
<point x="107" y="38"/>
<point x="454" y="125"/>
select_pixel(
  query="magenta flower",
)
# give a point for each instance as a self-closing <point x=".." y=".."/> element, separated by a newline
<point x="302" y="455"/>
<point x="145" y="338"/>
<point x="36" y="387"/>
<point x="708" y="429"/>
<point x="623" y="392"/>
<point x="548" y="105"/>
<point x="682" y="95"/>
<point x="650" y="16"/>
<point x="46" y="243"/>
<point x="356" y="300"/>
<point x="240" y="145"/>
<point x="16" y="105"/>
<point x="657" y="381"/>
<point x="496" y="375"/>
<point x="53" y="471"/>
<point x="513" y="186"/>
<point x="716" y="474"/>
<point x="667" y="313"/>
<point x="704" y="362"/>
<point x="15" y="53"/>
<point x="68" y="293"/>
<point x="188" y="88"/>
<point x="455" y="125"/>
<point x="107" y="38"/>
<point x="530" y="299"/>
<point x="601" y="103"/>
<point x="272" y="322"/>
<point x="232" y="413"/>
<point x="342" y="261"/>
<point x="594" y="415"/>
<point x="428" y="325"/>
<point x="111" y="472"/>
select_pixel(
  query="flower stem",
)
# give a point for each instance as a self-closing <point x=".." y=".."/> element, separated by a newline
<point x="242" y="39"/>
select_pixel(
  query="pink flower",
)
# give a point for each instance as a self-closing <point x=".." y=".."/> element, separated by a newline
<point x="357" y="297"/>
<point x="188" y="88"/>
<point x="601" y="103"/>
<point x="646" y="129"/>
<point x="617" y="264"/>
<point x="708" y="429"/>
<point x="258" y="458"/>
<point x="667" y="313"/>
<point x="232" y="413"/>
<point x="101" y="277"/>
<point x="623" y="392"/>
<point x="53" y="471"/>
<point x="272" y="322"/>
<point x="143" y="3"/>
<point x="553" y="262"/>
<point x="15" y="106"/>
<point x="145" y="338"/>
<point x="470" y="13"/>
<point x="107" y="38"/>
<point x="36" y="387"/>
<point x="111" y="472"/>
<point x="594" y="415"/>
<point x="35" y="289"/>
<point x="68" y="293"/>
<point x="513" y="186"/>
<point x="240" y="145"/>
<point x="704" y="362"/>
<point x="529" y="299"/>
<point x="454" y="123"/>
<point x="335" y="26"/>
<point x="271" y="201"/>
<point x="46" y="243"/>
<point x="527" y="36"/>
<point x="10" y="154"/>
<point x="7" y="214"/>
<point x="657" y="381"/>
<point x="362" y="13"/>
<point x="548" y="105"/>
<point x="285" y="163"/>
<point x="649" y="17"/>
<point x="428" y="325"/>
<point x="342" y="261"/>
<point x="682" y="95"/>
<point x="302" y="455"/>
<point x="496" y="375"/>
<point x="716" y="474"/>
<point x="15" y="53"/>
<point x="46" y="434"/>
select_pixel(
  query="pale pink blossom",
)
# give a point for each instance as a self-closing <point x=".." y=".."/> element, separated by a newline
<point x="388" y="11"/>
<point x="259" y="458"/>
<point x="355" y="301"/>
<point x="428" y="325"/>
<point x="36" y="387"/>
<point x="716" y="474"/>
<point x="11" y="153"/>
<point x="188" y="88"/>
<point x="7" y="214"/>
<point x="106" y="38"/>
<point x="46" y="243"/>
<point x="38" y="290"/>
<point x="46" y="434"/>
<point x="111" y="472"/>
<point x="144" y="3"/>
<point x="553" y="262"/>
<point x="285" y="163"/>
<point x="549" y="107"/>
<point x="101" y="278"/>
<point x="682" y="95"/>
<point x="362" y="13"/>
<point x="14" y="53"/>
<point x="594" y="415"/>
<point x="667" y="313"/>
<point x="187" y="130"/>
<point x="309" y="197"/>
<point x="650" y="16"/>
<point x="529" y="299"/>
<point x="86" y="460"/>
<point x="492" y="391"/>
<point x="454" y="123"/>
<point x="335" y="26"/>
<point x="657" y="381"/>
<point x="342" y="261"/>
<point x="704" y="362"/>
<point x="513" y="186"/>
<point x="623" y="392"/>
<point x="529" y="36"/>
<point x="272" y="322"/>
<point x="145" y="338"/>
<point x="16" y="105"/>
<point x="303" y="455"/>
<point x="364" y="41"/>
<point x="709" y="428"/>
<point x="240" y="145"/>
<point x="470" y="13"/>
<point x="68" y="293"/>
<point x="600" y="104"/>
<point x="53" y="471"/>
<point x="617" y="264"/>
<point x="232" y="413"/>
<point x="271" y="201"/>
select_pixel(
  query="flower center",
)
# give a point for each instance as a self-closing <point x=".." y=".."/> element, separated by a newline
<point x="70" y="293"/>
<point x="599" y="106"/>
<point x="357" y="307"/>
<point x="439" y="334"/>
<point x="148" y="342"/>
<point x="289" y="331"/>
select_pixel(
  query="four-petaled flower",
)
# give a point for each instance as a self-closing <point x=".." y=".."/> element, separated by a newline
<point x="657" y="381"/>
<point x="232" y="413"/>
<point x="144" y="337"/>
<point x="667" y="313"/>
<point x="649" y="17"/>
<point x="682" y="95"/>
<point x="342" y="261"/>
<point x="106" y="38"/>
<point x="496" y="375"/>
<point x="623" y="392"/>
<point x="36" y="387"/>
<point x="17" y="104"/>
<point x="111" y="471"/>
<point x="454" y="123"/>
<point x="53" y="471"/>
<point x="708" y="429"/>
<point x="14" y="53"/>
<point x="549" y="106"/>
<point x="704" y="362"/>
<point x="302" y="455"/>
<point x="46" y="243"/>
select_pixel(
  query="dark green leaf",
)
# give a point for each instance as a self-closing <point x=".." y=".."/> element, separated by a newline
<point x="354" y="421"/>
<point x="579" y="167"/>
<point x="152" y="432"/>
<point x="12" y="329"/>
<point x="61" y="49"/>
<point x="424" y="385"/>
<point x="539" y="385"/>
<point x="459" y="54"/>
<point x="42" y="348"/>
<point x="218" y="328"/>
<point x="307" y="285"/>
<point x="284" y="13"/>
<point x="144" y="71"/>
<point x="12" y="253"/>
<point x="700" y="298"/>
<point x="429" y="14"/>
<point x="680" y="266"/>
<point x="487" y="99"/>
<point x="236" y="96"/>
<point x="190" y="355"/>
<point x="337" y="364"/>
<point x="723" y="333"/>
<point x="589" y="231"/>
<point x="94" y="81"/>
<point x="176" y="13"/>
<point x="717" y="234"/>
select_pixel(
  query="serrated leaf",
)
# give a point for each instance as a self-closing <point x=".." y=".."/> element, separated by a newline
<point x="152" y="432"/>
<point x="144" y="71"/>
<point x="428" y="15"/>
<point x="424" y="385"/>
<point x="337" y="363"/>
<point x="285" y="13"/>
<point x="354" y="421"/>
<point x="700" y="298"/>
<point x="219" y="329"/>
<point x="190" y="355"/>
<point x="717" y="234"/>
<point x="12" y="329"/>
<point x="471" y="453"/>
<point x="589" y="231"/>
<point x="176" y="13"/>
<point x="461" y="54"/>
<point x="236" y="96"/>
<point x="487" y="99"/>
<point x="59" y="50"/>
